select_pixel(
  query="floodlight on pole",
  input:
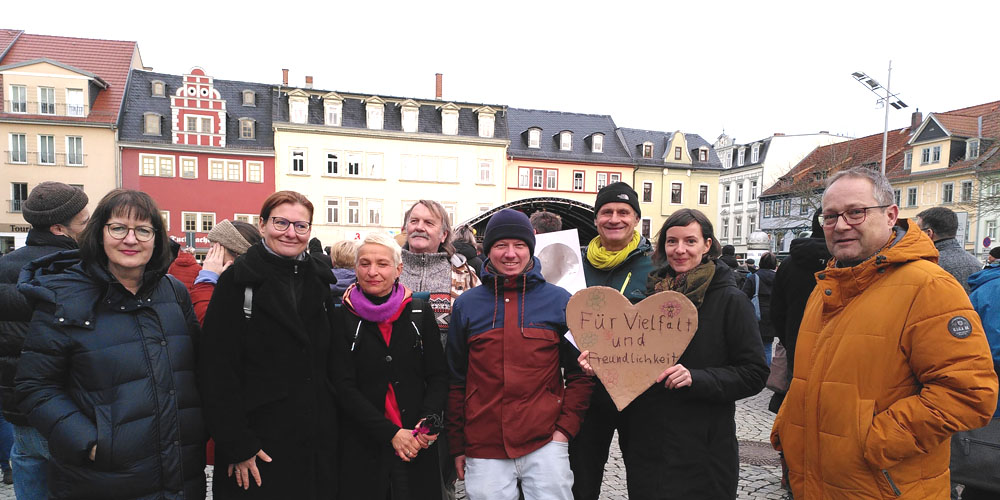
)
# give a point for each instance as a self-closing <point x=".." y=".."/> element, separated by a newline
<point x="889" y="99"/>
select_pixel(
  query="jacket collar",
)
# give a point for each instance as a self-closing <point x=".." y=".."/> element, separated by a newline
<point x="43" y="238"/>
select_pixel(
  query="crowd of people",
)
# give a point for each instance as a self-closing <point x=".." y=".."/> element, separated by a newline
<point x="390" y="367"/>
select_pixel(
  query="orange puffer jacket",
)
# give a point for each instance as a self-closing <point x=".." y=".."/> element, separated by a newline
<point x="891" y="360"/>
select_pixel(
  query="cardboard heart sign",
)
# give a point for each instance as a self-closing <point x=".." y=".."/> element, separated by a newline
<point x="630" y="345"/>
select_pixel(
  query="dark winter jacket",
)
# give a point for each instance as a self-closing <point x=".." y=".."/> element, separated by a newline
<point x="471" y="257"/>
<point x="739" y="274"/>
<point x="15" y="312"/>
<point x="506" y="346"/>
<point x="686" y="438"/>
<point x="793" y="282"/>
<point x="104" y="367"/>
<point x="635" y="268"/>
<point x="267" y="380"/>
<point x="766" y="279"/>
<point x="953" y="257"/>
<point x="345" y="277"/>
<point x="414" y="363"/>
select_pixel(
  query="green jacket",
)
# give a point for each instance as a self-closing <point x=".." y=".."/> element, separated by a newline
<point x="638" y="263"/>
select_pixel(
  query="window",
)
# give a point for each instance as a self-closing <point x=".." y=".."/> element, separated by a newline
<point x="157" y="89"/>
<point x="523" y="178"/>
<point x="536" y="178"/>
<point x="753" y="190"/>
<point x="332" y="164"/>
<point x="249" y="98"/>
<point x="486" y="125"/>
<point x="189" y="167"/>
<point x="198" y="222"/>
<point x="534" y="138"/>
<point x="374" y="165"/>
<point x="147" y="165"/>
<point x="777" y="208"/>
<point x="246" y="128"/>
<point x="46" y="101"/>
<point x="804" y="206"/>
<point x="206" y="126"/>
<point x="333" y="210"/>
<point x="47" y="149"/>
<point x="896" y="194"/>
<point x="751" y="224"/>
<point x="597" y="143"/>
<point x="74" y="150"/>
<point x="908" y="160"/>
<point x="647" y="192"/>
<point x="428" y="168"/>
<point x="18" y="148"/>
<point x="787" y="209"/>
<point x="18" y="99"/>
<point x="216" y="170"/>
<point x="739" y="192"/>
<point x="578" y="178"/>
<point x="18" y="193"/>
<point x="207" y="222"/>
<point x="298" y="162"/>
<point x="972" y="149"/>
<point x="332" y="113"/>
<point x="925" y="156"/>
<point x="447" y="169"/>
<point x="74" y="102"/>
<point x="354" y="211"/>
<point x="449" y="208"/>
<point x="151" y="124"/>
<point x="234" y="170"/>
<point x="725" y="194"/>
<point x="739" y="226"/>
<point x="248" y="218"/>
<point x="602" y="180"/>
<point x="565" y="141"/>
<point x="192" y="124"/>
<point x="755" y="153"/>
<point x="410" y="167"/>
<point x="677" y="152"/>
<point x="966" y="191"/>
<point x="991" y="229"/>
<point x="615" y="178"/>
<point x="702" y="155"/>
<point x="911" y="197"/>
<point x="166" y="166"/>
<point x="948" y="193"/>
<point x="675" y="192"/>
<point x="190" y="222"/>
<point x="486" y="171"/>
<point x="937" y="154"/>
<point x="647" y="150"/>
<point x="165" y="216"/>
<point x="354" y="164"/>
<point x="449" y="122"/>
<point x="409" y="119"/>
<point x="729" y="159"/>
<point x="739" y="158"/>
<point x="374" y="212"/>
<point x="255" y="171"/>
<point x="647" y="227"/>
<point x="725" y="227"/>
<point x="299" y="111"/>
<point x="551" y="179"/>
<point x="703" y="194"/>
<point x="767" y="209"/>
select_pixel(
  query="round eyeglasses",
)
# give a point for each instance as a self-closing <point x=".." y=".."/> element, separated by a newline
<point x="281" y="224"/>
<point x="852" y="217"/>
<point x="120" y="231"/>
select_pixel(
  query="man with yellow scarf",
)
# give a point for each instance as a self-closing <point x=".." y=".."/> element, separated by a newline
<point x="619" y="257"/>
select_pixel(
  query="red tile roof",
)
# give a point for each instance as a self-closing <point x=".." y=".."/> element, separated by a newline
<point x="111" y="60"/>
<point x="978" y="109"/>
<point x="959" y="125"/>
<point x="7" y="37"/>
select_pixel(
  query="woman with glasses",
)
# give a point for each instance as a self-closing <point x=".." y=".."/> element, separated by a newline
<point x="264" y="364"/>
<point x="108" y="370"/>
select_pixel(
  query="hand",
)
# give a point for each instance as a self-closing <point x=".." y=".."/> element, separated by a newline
<point x="216" y="259"/>
<point x="676" y="376"/>
<point x="426" y="440"/>
<point x="247" y="468"/>
<point x="406" y="445"/>
<point x="584" y="364"/>
<point x="559" y="437"/>
<point x="460" y="467"/>
<point x="93" y="453"/>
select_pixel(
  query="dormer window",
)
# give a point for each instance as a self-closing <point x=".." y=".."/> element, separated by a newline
<point x="565" y="141"/>
<point x="677" y="152"/>
<point x="449" y="119"/>
<point x="597" y="143"/>
<point x="410" y="114"/>
<point x="298" y="107"/>
<point x="647" y="150"/>
<point x="249" y="98"/>
<point x="702" y="154"/>
<point x="333" y="107"/>
<point x="534" y="138"/>
<point x="972" y="149"/>
<point x="375" y="113"/>
<point x="150" y="124"/>
<point x="741" y="156"/>
<point x="487" y="124"/>
<point x="157" y="89"/>
<point x="247" y="128"/>
<point x="755" y="153"/>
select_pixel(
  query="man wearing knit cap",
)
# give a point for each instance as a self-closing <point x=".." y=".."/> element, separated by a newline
<point x="510" y="411"/>
<point x="619" y="257"/>
<point x="57" y="213"/>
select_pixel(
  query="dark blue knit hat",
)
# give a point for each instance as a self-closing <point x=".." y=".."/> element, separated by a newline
<point x="509" y="223"/>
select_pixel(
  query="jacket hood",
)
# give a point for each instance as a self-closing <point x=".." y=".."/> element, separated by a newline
<point x="465" y="249"/>
<point x="986" y="275"/>
<point x="185" y="259"/>
<point x="810" y="251"/>
<point x="908" y="244"/>
<point x="43" y="238"/>
<point x="345" y="277"/>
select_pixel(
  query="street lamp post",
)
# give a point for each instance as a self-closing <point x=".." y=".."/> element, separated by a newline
<point x="889" y="99"/>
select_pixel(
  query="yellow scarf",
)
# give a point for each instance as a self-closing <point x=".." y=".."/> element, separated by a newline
<point x="606" y="259"/>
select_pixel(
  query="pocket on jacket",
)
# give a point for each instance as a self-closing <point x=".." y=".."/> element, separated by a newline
<point x="104" y="458"/>
<point x="844" y="423"/>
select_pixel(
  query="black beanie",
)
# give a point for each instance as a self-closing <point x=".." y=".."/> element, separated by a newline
<point x="52" y="203"/>
<point x="617" y="192"/>
<point x="509" y="223"/>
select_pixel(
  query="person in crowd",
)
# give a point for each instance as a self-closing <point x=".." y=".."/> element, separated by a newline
<point x="891" y="358"/>
<point x="267" y="362"/>
<point x="793" y="282"/>
<point x="941" y="224"/>
<point x="343" y="254"/>
<point x="107" y="373"/>
<point x="751" y="266"/>
<point x="507" y="355"/>
<point x="431" y="266"/>
<point x="229" y="239"/>
<point x="545" y="222"/>
<point x="57" y="214"/>
<point x="619" y="257"/>
<point x="682" y="430"/>
<point x="402" y="377"/>
<point x="993" y="256"/>
<point x="761" y="285"/>
<point x="465" y="244"/>
<point x="729" y="258"/>
<point x="185" y="267"/>
<point x="316" y="248"/>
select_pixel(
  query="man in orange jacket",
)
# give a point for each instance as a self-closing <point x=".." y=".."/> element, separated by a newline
<point x="891" y="358"/>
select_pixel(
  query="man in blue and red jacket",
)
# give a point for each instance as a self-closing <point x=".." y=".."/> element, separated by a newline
<point x="510" y="412"/>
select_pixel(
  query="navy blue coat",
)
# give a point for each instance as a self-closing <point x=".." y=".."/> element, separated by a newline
<point x="103" y="366"/>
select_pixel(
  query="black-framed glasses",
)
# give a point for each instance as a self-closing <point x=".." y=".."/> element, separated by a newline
<point x="852" y="217"/>
<point x="281" y="224"/>
<point x="120" y="231"/>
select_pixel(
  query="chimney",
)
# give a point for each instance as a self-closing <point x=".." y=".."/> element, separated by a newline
<point x="284" y="77"/>
<point x="437" y="86"/>
<point x="309" y="82"/>
<point x="915" y="120"/>
<point x="779" y="134"/>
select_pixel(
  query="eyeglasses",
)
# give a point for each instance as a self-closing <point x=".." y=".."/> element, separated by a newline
<point x="852" y="217"/>
<point x="281" y="224"/>
<point x="120" y="231"/>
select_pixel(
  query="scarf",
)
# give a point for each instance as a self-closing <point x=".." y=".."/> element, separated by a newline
<point x="606" y="259"/>
<point x="370" y="311"/>
<point x="693" y="284"/>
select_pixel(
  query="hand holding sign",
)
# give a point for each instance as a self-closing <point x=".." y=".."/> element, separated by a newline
<point x="630" y="345"/>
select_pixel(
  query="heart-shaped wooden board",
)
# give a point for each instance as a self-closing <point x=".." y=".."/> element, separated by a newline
<point x="630" y="345"/>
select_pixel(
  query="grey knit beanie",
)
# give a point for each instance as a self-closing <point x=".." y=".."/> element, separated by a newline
<point x="226" y="234"/>
<point x="53" y="203"/>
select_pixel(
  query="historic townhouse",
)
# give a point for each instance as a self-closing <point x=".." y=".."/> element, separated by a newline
<point x="364" y="159"/>
<point x="202" y="147"/>
<point x="62" y="98"/>
<point x="749" y="169"/>
<point x="672" y="171"/>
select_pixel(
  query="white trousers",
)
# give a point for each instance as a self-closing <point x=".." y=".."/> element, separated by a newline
<point x="544" y="475"/>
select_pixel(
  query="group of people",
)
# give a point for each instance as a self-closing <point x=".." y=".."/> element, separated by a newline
<point x="433" y="364"/>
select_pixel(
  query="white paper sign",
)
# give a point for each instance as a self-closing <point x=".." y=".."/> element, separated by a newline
<point x="562" y="264"/>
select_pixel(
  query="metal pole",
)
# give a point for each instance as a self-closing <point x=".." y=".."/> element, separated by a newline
<point x="885" y="132"/>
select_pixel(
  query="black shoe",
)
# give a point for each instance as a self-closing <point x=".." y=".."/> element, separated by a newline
<point x="8" y="477"/>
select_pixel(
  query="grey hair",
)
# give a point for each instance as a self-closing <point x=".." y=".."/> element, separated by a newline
<point x="385" y="240"/>
<point x="439" y="211"/>
<point x="881" y="189"/>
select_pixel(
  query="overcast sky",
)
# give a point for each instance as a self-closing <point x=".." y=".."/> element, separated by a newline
<point x="751" y="68"/>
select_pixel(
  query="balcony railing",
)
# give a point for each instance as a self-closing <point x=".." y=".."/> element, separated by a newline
<point x="48" y="159"/>
<point x="45" y="108"/>
<point x="14" y="205"/>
